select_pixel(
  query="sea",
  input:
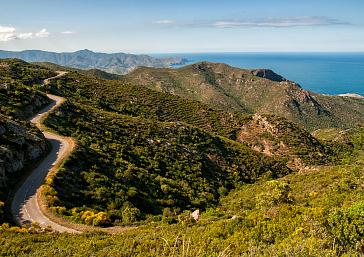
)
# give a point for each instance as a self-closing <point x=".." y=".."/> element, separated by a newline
<point x="325" y="73"/>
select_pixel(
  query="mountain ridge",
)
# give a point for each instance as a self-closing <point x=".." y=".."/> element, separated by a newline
<point x="233" y="89"/>
<point x="119" y="63"/>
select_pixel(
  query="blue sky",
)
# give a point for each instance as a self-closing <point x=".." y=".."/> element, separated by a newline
<point x="161" y="26"/>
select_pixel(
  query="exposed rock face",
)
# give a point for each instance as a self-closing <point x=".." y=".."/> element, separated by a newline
<point x="268" y="74"/>
<point x="20" y="145"/>
<point x="274" y="136"/>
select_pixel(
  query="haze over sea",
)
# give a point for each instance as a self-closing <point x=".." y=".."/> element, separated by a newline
<point x="326" y="73"/>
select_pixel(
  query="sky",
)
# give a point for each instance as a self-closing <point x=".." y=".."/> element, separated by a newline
<point x="183" y="26"/>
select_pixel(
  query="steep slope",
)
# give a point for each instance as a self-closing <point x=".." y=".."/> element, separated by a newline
<point x="262" y="91"/>
<point x="119" y="63"/>
<point x="21" y="145"/>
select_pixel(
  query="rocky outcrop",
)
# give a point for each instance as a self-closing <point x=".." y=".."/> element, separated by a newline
<point x="268" y="74"/>
<point x="275" y="136"/>
<point x="20" y="145"/>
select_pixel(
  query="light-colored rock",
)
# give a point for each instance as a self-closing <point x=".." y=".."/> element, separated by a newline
<point x="196" y="215"/>
<point x="20" y="145"/>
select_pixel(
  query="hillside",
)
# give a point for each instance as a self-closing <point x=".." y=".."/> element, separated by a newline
<point x="21" y="144"/>
<point x="125" y="161"/>
<point x="118" y="63"/>
<point x="183" y="157"/>
<point x="133" y="100"/>
<point x="252" y="91"/>
<point x="149" y="158"/>
<point x="316" y="213"/>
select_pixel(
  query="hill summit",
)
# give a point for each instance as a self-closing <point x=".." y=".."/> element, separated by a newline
<point x="251" y="91"/>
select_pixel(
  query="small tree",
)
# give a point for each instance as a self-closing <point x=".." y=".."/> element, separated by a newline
<point x="130" y="213"/>
<point x="278" y="192"/>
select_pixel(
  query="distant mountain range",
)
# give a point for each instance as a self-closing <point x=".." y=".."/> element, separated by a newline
<point x="119" y="63"/>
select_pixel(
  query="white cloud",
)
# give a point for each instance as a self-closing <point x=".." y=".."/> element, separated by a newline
<point x="4" y="29"/>
<point x="67" y="32"/>
<point x="278" y="22"/>
<point x="9" y="33"/>
<point x="164" y="22"/>
<point x="25" y="35"/>
<point x="42" y="33"/>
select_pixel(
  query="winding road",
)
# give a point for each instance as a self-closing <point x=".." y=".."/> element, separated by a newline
<point x="25" y="206"/>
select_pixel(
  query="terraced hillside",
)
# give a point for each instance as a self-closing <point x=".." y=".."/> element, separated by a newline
<point x="129" y="99"/>
<point x="233" y="89"/>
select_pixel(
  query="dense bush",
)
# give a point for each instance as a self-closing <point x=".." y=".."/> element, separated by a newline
<point x="17" y="82"/>
<point x="150" y="164"/>
<point x="278" y="193"/>
<point x="346" y="225"/>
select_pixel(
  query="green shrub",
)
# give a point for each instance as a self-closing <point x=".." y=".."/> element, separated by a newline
<point x="346" y="225"/>
<point x="278" y="192"/>
<point x="130" y="213"/>
<point x="168" y="216"/>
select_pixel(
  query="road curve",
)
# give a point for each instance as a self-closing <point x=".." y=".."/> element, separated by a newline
<point x="25" y="207"/>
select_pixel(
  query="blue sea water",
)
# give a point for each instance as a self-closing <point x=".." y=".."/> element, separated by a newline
<point x="327" y="73"/>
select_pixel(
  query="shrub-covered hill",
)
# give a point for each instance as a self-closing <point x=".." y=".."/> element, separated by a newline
<point x="113" y="121"/>
<point x="17" y="80"/>
<point x="262" y="91"/>
<point x="21" y="144"/>
<point x="316" y="213"/>
<point x="300" y="147"/>
<point x="125" y="161"/>
<point x="23" y="72"/>
<point x="131" y="162"/>
<point x="275" y="136"/>
<point x="125" y="128"/>
<point x="125" y="98"/>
